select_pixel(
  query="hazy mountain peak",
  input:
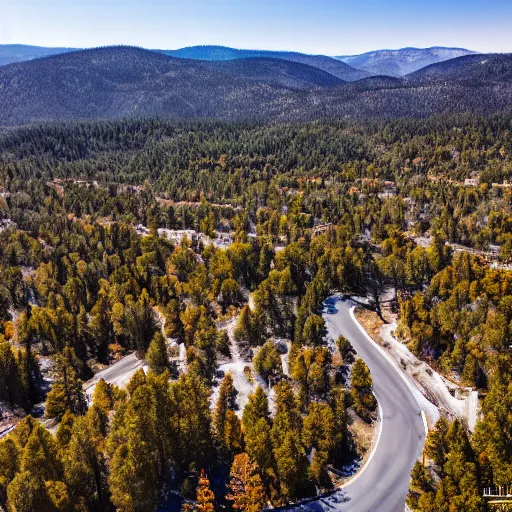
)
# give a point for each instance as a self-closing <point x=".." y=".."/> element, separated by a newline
<point x="402" y="61"/>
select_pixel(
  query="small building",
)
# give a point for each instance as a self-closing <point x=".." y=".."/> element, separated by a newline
<point x="471" y="182"/>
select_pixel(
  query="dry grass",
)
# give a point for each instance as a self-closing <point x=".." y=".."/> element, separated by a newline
<point x="364" y="434"/>
<point x="371" y="322"/>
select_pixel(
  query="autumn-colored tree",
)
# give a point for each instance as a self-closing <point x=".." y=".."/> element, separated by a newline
<point x="205" y="496"/>
<point x="9" y="466"/>
<point x="245" y="487"/>
<point x="85" y="467"/>
<point x="225" y="402"/>
<point x="140" y="323"/>
<point x="133" y="445"/>
<point x="250" y="327"/>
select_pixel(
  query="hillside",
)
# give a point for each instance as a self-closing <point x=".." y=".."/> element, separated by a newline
<point x="276" y="72"/>
<point x="121" y="82"/>
<point x="401" y="62"/>
<point x="328" y="64"/>
<point x="10" y="53"/>
<point x="471" y="69"/>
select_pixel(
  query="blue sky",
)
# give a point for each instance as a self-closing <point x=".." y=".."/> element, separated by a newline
<point x="332" y="27"/>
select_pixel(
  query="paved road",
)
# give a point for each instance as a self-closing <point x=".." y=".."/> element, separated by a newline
<point x="118" y="373"/>
<point x="382" y="486"/>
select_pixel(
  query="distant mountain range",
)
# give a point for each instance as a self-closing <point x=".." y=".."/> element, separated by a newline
<point x="10" y="53"/>
<point x="19" y="53"/>
<point x="348" y="68"/>
<point x="119" y="82"/>
<point x="222" y="53"/>
<point x="401" y="62"/>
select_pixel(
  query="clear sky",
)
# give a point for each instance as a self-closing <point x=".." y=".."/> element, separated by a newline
<point x="332" y="27"/>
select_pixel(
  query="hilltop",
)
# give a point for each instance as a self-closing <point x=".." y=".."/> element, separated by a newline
<point x="401" y="62"/>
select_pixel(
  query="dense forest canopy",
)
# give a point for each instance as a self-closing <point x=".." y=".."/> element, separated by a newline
<point x="111" y="245"/>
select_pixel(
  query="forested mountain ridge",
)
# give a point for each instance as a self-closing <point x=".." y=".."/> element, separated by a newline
<point x="119" y="82"/>
<point x="401" y="62"/>
<point x="10" y="53"/>
<point x="473" y="70"/>
<point x="19" y="53"/>
<point x="219" y="53"/>
<point x="277" y="72"/>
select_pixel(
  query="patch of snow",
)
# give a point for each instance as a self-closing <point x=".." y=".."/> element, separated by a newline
<point x="284" y="357"/>
<point x="222" y="241"/>
<point x="243" y="386"/>
<point x="236" y="365"/>
<point x="182" y="353"/>
<point x="429" y="385"/>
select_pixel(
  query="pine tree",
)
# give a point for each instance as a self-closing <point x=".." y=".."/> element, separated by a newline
<point x="11" y="384"/>
<point x="420" y="478"/>
<point x="287" y="417"/>
<point x="361" y="389"/>
<point x="259" y="448"/>
<point x="27" y="493"/>
<point x="233" y="436"/>
<point x="67" y="392"/>
<point x="205" y="496"/>
<point x="101" y="326"/>
<point x="292" y="466"/>
<point x="267" y="362"/>
<point x="340" y="443"/>
<point x="82" y="341"/>
<point x="223" y="343"/>
<point x="242" y="331"/>
<point x="84" y="464"/>
<point x="133" y="469"/>
<point x="40" y="455"/>
<point x="314" y="331"/>
<point x="250" y="327"/>
<point x="157" y="356"/>
<point x="58" y="496"/>
<point x="64" y="431"/>
<point x="9" y="466"/>
<point x="190" y="422"/>
<point x="138" y="379"/>
<point x="256" y="409"/>
<point x="346" y="350"/>
<point x="140" y="323"/>
<point x="225" y="402"/>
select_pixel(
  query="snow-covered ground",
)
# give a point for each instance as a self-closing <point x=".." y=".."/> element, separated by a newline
<point x="236" y="365"/>
<point x="434" y="392"/>
<point x="222" y="241"/>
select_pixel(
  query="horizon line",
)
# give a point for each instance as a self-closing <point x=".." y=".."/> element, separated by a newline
<point x="250" y="49"/>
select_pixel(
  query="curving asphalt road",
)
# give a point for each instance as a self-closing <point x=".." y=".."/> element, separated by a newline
<point x="382" y="484"/>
